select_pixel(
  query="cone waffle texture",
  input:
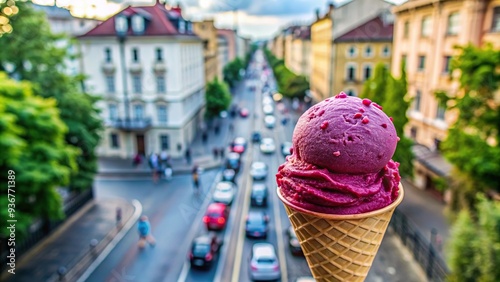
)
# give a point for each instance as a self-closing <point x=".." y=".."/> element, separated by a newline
<point x="340" y="247"/>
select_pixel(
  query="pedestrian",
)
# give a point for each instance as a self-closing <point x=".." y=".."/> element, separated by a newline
<point x="144" y="228"/>
<point x="154" y="165"/>
<point x="216" y="129"/>
<point x="204" y="137"/>
<point x="168" y="172"/>
<point x="222" y="152"/>
<point x="118" y="215"/>
<point x="215" y="152"/>
<point x="164" y="159"/>
<point x="137" y="160"/>
<point x="196" y="178"/>
<point x="188" y="155"/>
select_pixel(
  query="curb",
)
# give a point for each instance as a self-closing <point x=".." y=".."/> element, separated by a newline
<point x="111" y="245"/>
<point x="135" y="173"/>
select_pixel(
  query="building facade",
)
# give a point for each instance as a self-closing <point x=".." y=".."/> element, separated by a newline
<point x="336" y="22"/>
<point x="148" y="66"/>
<point x="208" y="33"/>
<point x="226" y="39"/>
<point x="359" y="50"/>
<point x="300" y="60"/>
<point x="425" y="35"/>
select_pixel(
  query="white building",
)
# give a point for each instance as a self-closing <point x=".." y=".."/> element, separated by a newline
<point x="147" y="64"/>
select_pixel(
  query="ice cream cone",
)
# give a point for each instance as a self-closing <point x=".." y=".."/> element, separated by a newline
<point x="340" y="247"/>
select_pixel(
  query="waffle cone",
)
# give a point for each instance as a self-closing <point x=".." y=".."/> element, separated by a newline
<point x="340" y="247"/>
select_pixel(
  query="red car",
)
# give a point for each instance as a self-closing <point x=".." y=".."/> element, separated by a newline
<point x="238" y="149"/>
<point x="244" y="112"/>
<point x="216" y="216"/>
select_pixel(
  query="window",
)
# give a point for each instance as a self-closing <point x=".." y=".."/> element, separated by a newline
<point x="351" y="73"/>
<point x="138" y="24"/>
<point x="446" y="64"/>
<point x="440" y="113"/>
<point x="164" y="142"/>
<point x="421" y="63"/>
<point x="367" y="72"/>
<point x="182" y="26"/>
<point x="406" y="29"/>
<point x="426" y="27"/>
<point x="416" y="102"/>
<point x="137" y="84"/>
<point x="162" y="114"/>
<point x="160" y="84"/>
<point x="495" y="23"/>
<point x="159" y="55"/>
<point x="138" y="111"/>
<point x="413" y="132"/>
<point x="113" y="112"/>
<point x="351" y="52"/>
<point x="107" y="55"/>
<point x="386" y="51"/>
<point x="110" y="83"/>
<point x="368" y="51"/>
<point x="453" y="24"/>
<point x="114" y="141"/>
<point x="135" y="55"/>
<point x="437" y="144"/>
<point x="351" y="92"/>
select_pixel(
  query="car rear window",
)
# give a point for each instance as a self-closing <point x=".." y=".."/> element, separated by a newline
<point x="200" y="249"/>
<point x="214" y="214"/>
<point x="266" y="260"/>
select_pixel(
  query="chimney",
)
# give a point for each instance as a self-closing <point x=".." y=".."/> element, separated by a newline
<point x="330" y="9"/>
<point x="177" y="8"/>
<point x="317" y="14"/>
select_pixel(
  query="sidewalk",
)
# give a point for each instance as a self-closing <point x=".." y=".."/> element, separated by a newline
<point x="69" y="246"/>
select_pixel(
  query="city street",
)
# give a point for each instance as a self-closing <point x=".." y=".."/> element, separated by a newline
<point x="176" y="215"/>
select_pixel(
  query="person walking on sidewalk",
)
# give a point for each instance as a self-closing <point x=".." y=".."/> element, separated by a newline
<point x="144" y="228"/>
<point x="154" y="164"/>
<point x="215" y="152"/>
<point x="196" y="178"/>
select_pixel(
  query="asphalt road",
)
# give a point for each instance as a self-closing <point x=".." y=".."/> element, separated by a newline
<point x="176" y="217"/>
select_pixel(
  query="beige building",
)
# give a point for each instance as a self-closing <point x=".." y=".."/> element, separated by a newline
<point x="298" y="49"/>
<point x="336" y="22"/>
<point x="359" y="50"/>
<point x="278" y="49"/>
<point x="208" y="33"/>
<point x="425" y="33"/>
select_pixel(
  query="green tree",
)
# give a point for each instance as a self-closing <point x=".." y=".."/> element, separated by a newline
<point x="33" y="146"/>
<point x="475" y="243"/>
<point x="217" y="97"/>
<point x="296" y="86"/>
<point x="232" y="70"/>
<point x="472" y="144"/>
<point x="34" y="52"/>
<point x="390" y="93"/>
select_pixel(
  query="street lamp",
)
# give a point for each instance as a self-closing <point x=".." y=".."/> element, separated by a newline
<point x="121" y="28"/>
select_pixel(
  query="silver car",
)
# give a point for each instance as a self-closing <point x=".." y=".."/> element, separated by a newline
<point x="264" y="264"/>
<point x="258" y="170"/>
<point x="267" y="146"/>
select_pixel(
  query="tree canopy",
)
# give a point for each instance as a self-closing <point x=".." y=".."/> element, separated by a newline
<point x="217" y="97"/>
<point x="232" y="71"/>
<point x="37" y="55"/>
<point x="472" y="144"/>
<point x="390" y="93"/>
<point x="33" y="146"/>
<point x="290" y="84"/>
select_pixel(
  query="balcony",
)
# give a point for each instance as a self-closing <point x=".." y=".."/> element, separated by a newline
<point x="133" y="124"/>
<point x="135" y="68"/>
<point x="159" y="67"/>
<point x="108" y="68"/>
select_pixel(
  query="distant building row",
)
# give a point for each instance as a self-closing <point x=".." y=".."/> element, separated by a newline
<point x="347" y="41"/>
<point x="150" y="66"/>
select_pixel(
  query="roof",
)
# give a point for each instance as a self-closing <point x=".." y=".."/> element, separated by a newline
<point x="434" y="161"/>
<point x="375" y="29"/>
<point x="160" y="21"/>
<point x="53" y="11"/>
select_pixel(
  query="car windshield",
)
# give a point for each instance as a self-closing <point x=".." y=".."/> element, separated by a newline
<point x="201" y="249"/>
<point x="224" y="188"/>
<point x="259" y="166"/>
<point x="259" y="192"/>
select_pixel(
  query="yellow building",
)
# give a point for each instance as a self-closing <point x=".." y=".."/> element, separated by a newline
<point x="425" y="33"/>
<point x="279" y="46"/>
<point x="208" y="33"/>
<point x="298" y="50"/>
<point x="359" y="50"/>
<point x="328" y="61"/>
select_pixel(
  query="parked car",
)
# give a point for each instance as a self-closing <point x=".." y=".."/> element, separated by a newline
<point x="256" y="137"/>
<point x="256" y="224"/>
<point x="293" y="242"/>
<point x="244" y="112"/>
<point x="239" y="145"/>
<point x="258" y="196"/>
<point x="258" y="171"/>
<point x="204" y="249"/>
<point x="286" y="148"/>
<point x="229" y="174"/>
<point x="216" y="216"/>
<point x="264" y="263"/>
<point x="267" y="146"/>
<point x="268" y="109"/>
<point x="233" y="162"/>
<point x="224" y="192"/>
<point x="269" y="121"/>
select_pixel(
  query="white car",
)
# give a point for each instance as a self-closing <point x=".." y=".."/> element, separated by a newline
<point x="270" y="121"/>
<point x="268" y="109"/>
<point x="264" y="264"/>
<point x="267" y="100"/>
<point x="267" y="146"/>
<point x="286" y="148"/>
<point x="258" y="170"/>
<point x="224" y="192"/>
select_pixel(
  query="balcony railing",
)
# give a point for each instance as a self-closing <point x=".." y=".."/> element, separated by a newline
<point x="133" y="124"/>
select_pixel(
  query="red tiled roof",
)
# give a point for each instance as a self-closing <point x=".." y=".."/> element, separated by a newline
<point x="372" y="30"/>
<point x="158" y="22"/>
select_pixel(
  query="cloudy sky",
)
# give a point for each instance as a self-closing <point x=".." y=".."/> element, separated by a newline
<point x="258" y="19"/>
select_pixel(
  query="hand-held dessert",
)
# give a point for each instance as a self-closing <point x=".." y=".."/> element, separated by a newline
<point x="340" y="186"/>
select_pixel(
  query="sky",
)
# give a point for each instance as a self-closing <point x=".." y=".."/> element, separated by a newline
<point x="256" y="19"/>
